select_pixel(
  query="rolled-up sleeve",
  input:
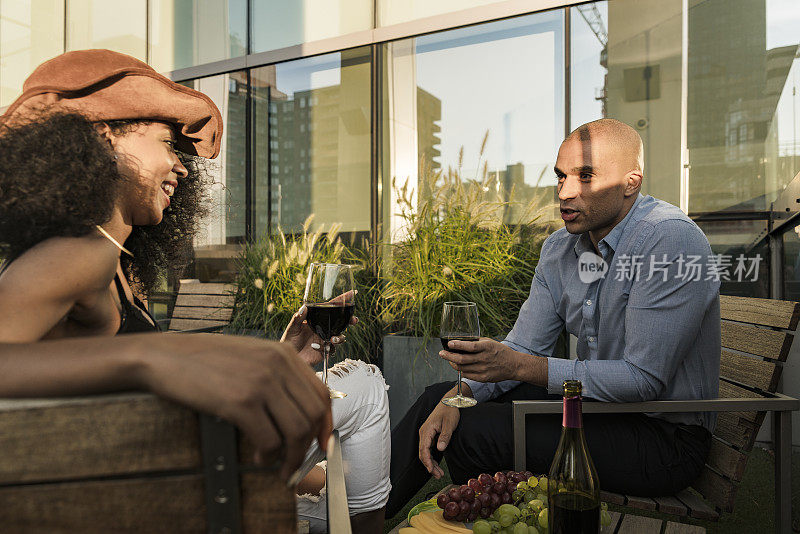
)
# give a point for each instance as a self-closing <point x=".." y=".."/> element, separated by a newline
<point x="535" y="331"/>
<point x="662" y="320"/>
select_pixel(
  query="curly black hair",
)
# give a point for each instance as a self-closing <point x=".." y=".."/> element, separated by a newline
<point x="59" y="178"/>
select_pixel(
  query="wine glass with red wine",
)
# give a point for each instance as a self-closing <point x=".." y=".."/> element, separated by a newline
<point x="330" y="300"/>
<point x="459" y="322"/>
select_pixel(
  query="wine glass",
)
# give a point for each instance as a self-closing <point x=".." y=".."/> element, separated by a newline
<point x="459" y="322"/>
<point x="330" y="300"/>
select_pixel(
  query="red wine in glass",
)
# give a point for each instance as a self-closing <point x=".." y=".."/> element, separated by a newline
<point x="330" y="300"/>
<point x="459" y="322"/>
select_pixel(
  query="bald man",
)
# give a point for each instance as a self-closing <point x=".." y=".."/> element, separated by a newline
<point x="617" y="277"/>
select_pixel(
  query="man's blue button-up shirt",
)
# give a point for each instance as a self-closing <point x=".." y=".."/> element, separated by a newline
<point x="648" y="330"/>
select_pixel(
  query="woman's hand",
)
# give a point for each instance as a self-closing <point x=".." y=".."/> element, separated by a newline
<point x="307" y="344"/>
<point x="260" y="386"/>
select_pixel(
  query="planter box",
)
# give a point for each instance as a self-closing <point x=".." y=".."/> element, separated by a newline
<point x="409" y="367"/>
<point x="131" y="463"/>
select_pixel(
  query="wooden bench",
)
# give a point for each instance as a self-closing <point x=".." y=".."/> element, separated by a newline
<point x="756" y="338"/>
<point x="202" y="307"/>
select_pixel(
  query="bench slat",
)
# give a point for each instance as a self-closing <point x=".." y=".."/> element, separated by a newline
<point x="771" y="344"/>
<point x="637" y="524"/>
<point x="749" y="371"/>
<point x="613" y="498"/>
<point x="683" y="528"/>
<point x="726" y="460"/>
<point x="207" y="288"/>
<point x="737" y="431"/>
<point x="643" y="503"/>
<point x="716" y="489"/>
<point x="671" y="505"/>
<point x="697" y="507"/>
<point x="191" y="324"/>
<point x="766" y="312"/>
<point x="190" y="312"/>
<point x="211" y="301"/>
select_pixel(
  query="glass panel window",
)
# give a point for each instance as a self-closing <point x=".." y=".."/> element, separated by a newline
<point x="119" y="25"/>
<point x="744" y="116"/>
<point x="323" y="146"/>
<point x="446" y="92"/>
<point x="742" y="254"/>
<point x="394" y="12"/>
<point x="626" y="65"/>
<point x="224" y="229"/>
<point x="281" y="24"/>
<point x="184" y="33"/>
<point x="31" y="32"/>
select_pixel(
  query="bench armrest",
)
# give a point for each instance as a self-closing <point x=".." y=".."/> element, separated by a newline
<point x="338" y="512"/>
<point x="777" y="403"/>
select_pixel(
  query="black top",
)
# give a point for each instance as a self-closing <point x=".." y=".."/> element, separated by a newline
<point x="134" y="314"/>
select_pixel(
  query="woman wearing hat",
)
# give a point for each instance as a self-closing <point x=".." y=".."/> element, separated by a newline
<point x="93" y="197"/>
<point x="95" y="205"/>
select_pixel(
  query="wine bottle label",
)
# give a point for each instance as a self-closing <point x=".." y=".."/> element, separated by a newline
<point x="572" y="413"/>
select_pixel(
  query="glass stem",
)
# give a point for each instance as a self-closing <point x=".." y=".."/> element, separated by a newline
<point x="459" y="384"/>
<point x="326" y="351"/>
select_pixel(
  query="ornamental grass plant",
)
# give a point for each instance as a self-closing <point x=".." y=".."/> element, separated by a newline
<point x="468" y="239"/>
<point x="272" y="277"/>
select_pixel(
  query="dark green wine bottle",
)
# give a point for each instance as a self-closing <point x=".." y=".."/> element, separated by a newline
<point x="573" y="492"/>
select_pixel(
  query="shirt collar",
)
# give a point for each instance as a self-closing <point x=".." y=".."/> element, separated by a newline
<point x="611" y="241"/>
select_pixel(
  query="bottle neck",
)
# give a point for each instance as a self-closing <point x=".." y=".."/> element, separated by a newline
<point x="572" y="413"/>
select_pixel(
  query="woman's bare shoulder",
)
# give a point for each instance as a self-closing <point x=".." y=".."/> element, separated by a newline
<point x="71" y="265"/>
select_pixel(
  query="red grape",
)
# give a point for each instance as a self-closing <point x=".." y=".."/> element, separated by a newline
<point x="485" y="479"/>
<point x="511" y="487"/>
<point x="472" y="516"/>
<point x="467" y="494"/>
<point x="465" y="509"/>
<point x="527" y="474"/>
<point x="496" y="501"/>
<point x="451" y="510"/>
<point x="475" y="485"/>
<point x="454" y="494"/>
<point x="518" y="477"/>
<point x="442" y="500"/>
<point x="462" y="517"/>
<point x="486" y="512"/>
<point x="499" y="487"/>
<point x="506" y="497"/>
<point x="500" y="477"/>
<point x="476" y="506"/>
<point x="484" y="499"/>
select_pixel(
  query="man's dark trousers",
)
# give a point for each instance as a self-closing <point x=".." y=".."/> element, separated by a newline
<point x="633" y="453"/>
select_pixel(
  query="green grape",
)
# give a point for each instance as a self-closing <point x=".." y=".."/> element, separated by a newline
<point x="522" y="486"/>
<point x="481" y="527"/>
<point x="605" y="518"/>
<point x="530" y="495"/>
<point x="604" y="506"/>
<point x="536" y="505"/>
<point x="532" y="530"/>
<point x="495" y="525"/>
<point x="543" y="483"/>
<point x="533" y="482"/>
<point x="543" y="518"/>
<point x="506" y="520"/>
<point x="542" y="497"/>
<point x="509" y="509"/>
<point x="507" y="530"/>
<point x="520" y="528"/>
<point x="517" y="495"/>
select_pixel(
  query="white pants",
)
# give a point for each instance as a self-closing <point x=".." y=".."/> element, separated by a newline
<point x="362" y="419"/>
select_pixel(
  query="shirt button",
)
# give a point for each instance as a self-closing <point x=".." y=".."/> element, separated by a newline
<point x="591" y="339"/>
<point x="588" y="302"/>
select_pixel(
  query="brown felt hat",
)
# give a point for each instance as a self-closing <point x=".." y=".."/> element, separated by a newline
<point x="106" y="86"/>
